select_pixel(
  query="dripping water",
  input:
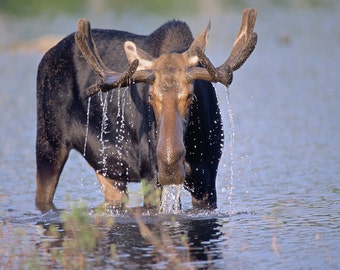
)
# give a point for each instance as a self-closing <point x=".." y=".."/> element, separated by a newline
<point x="104" y="125"/>
<point x="120" y="131"/>
<point x="123" y="106"/>
<point x="170" y="201"/>
<point x="118" y="146"/>
<point x="86" y="138"/>
<point x="111" y="96"/>
<point x="230" y="185"/>
<point x="87" y="124"/>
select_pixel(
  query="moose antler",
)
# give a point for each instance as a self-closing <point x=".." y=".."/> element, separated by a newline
<point x="243" y="46"/>
<point x="108" y="79"/>
<point x="245" y="41"/>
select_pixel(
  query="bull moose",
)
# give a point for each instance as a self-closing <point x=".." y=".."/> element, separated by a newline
<point x="137" y="107"/>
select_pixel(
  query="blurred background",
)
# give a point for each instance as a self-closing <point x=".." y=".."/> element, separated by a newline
<point x="31" y="23"/>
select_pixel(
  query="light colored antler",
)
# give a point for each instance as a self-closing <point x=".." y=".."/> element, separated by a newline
<point x="243" y="46"/>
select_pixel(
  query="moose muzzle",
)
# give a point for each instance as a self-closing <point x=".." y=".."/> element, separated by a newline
<point x="171" y="150"/>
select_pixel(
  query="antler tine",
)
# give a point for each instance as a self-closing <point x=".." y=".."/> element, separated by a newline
<point x="243" y="46"/>
<point x="245" y="40"/>
<point x="109" y="79"/>
<point x="89" y="50"/>
<point x="113" y="81"/>
<point x="224" y="76"/>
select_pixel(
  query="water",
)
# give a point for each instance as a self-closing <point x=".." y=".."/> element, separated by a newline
<point x="87" y="124"/>
<point x="170" y="201"/>
<point x="283" y="211"/>
<point x="230" y="186"/>
<point x="103" y="153"/>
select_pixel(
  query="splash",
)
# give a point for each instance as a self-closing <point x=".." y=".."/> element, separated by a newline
<point x="170" y="201"/>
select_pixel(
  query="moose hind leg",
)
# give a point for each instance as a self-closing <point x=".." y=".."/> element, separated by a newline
<point x="50" y="164"/>
<point x="114" y="191"/>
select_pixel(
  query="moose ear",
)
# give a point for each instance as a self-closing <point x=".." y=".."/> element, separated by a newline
<point x="132" y="53"/>
<point x="200" y="41"/>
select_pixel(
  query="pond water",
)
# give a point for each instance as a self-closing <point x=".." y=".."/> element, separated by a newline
<point x="278" y="181"/>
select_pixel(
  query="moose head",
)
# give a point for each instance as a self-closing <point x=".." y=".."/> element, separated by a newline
<point x="171" y="78"/>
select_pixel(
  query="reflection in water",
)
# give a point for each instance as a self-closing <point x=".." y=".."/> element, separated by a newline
<point x="203" y="236"/>
<point x="181" y="241"/>
<point x="160" y="241"/>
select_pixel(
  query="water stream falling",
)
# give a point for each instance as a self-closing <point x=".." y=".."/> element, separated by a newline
<point x="86" y="138"/>
<point x="230" y="185"/>
<point x="120" y="131"/>
<point x="87" y="124"/>
<point x="170" y="201"/>
<point x="104" y="125"/>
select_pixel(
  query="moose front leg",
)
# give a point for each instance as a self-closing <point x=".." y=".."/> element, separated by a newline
<point x="200" y="182"/>
<point x="114" y="191"/>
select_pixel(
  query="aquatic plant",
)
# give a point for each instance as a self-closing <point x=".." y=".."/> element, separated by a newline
<point x="81" y="240"/>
